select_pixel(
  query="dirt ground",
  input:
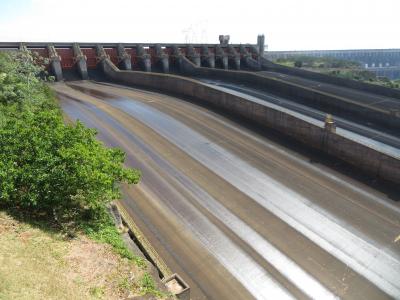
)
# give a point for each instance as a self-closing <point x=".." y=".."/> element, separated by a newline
<point x="35" y="264"/>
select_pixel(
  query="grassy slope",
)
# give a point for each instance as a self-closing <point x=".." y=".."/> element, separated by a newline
<point x="41" y="264"/>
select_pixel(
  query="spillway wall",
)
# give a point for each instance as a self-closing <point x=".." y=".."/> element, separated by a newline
<point x="309" y="132"/>
<point x="358" y="85"/>
<point x="305" y="95"/>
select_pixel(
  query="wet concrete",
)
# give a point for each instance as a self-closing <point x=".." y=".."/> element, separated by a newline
<point x="237" y="215"/>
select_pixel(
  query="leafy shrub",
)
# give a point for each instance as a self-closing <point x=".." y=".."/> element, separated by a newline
<point x="47" y="167"/>
<point x="298" y="63"/>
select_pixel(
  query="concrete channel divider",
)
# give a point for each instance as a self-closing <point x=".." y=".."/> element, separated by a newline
<point x="80" y="61"/>
<point x="375" y="161"/>
<point x="308" y="96"/>
<point x="354" y="84"/>
<point x="55" y="63"/>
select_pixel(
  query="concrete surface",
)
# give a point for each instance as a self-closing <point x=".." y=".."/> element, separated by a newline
<point x="377" y="162"/>
<point x="237" y="215"/>
<point x="55" y="63"/>
<point x="334" y="99"/>
<point x="354" y="84"/>
<point x="80" y="61"/>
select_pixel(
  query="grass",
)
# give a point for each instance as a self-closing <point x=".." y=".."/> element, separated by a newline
<point x="148" y="287"/>
<point x="42" y="264"/>
<point x="97" y="292"/>
<point x="107" y="233"/>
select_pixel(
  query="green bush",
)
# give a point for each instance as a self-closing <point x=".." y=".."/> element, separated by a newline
<point x="298" y="63"/>
<point x="47" y="167"/>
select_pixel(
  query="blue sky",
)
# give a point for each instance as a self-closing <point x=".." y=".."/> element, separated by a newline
<point x="287" y="24"/>
<point x="11" y="9"/>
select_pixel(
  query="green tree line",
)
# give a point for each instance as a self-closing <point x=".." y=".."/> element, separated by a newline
<point x="339" y="68"/>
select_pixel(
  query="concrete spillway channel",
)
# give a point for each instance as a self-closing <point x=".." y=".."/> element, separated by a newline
<point x="324" y="78"/>
<point x="374" y="108"/>
<point x="382" y="162"/>
<point x="244" y="212"/>
<point x="360" y="126"/>
<point x="237" y="214"/>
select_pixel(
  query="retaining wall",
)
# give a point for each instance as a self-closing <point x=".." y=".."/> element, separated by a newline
<point x="290" y="124"/>
<point x="354" y="84"/>
<point x="307" y="96"/>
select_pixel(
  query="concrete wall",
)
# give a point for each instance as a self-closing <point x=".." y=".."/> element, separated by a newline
<point x="289" y="124"/>
<point x="372" y="88"/>
<point x="307" y="96"/>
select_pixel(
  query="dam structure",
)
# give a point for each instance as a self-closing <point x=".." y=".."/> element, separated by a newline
<point x="259" y="181"/>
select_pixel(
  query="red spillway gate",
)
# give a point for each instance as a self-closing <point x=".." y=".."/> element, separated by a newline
<point x="67" y="57"/>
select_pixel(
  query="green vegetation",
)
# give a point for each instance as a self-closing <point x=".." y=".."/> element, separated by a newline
<point x="97" y="292"/>
<point x="49" y="168"/>
<point x="317" y="62"/>
<point x="148" y="286"/>
<point x="106" y="232"/>
<point x="59" y="179"/>
<point x="365" y="76"/>
<point x="337" y="67"/>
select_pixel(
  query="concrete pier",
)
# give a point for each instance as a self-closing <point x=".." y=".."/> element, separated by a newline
<point x="177" y="58"/>
<point x="260" y="44"/>
<point x="55" y="63"/>
<point x="221" y="58"/>
<point x="233" y="57"/>
<point x="144" y="58"/>
<point x="162" y="59"/>
<point x="102" y="56"/>
<point x="23" y="47"/>
<point x="124" y="58"/>
<point x="207" y="58"/>
<point x="248" y="60"/>
<point x="80" y="61"/>
<point x="193" y="55"/>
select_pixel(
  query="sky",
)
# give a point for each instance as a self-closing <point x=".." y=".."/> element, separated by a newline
<point x="286" y="24"/>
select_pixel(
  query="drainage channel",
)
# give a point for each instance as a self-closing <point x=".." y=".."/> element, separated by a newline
<point x="174" y="283"/>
